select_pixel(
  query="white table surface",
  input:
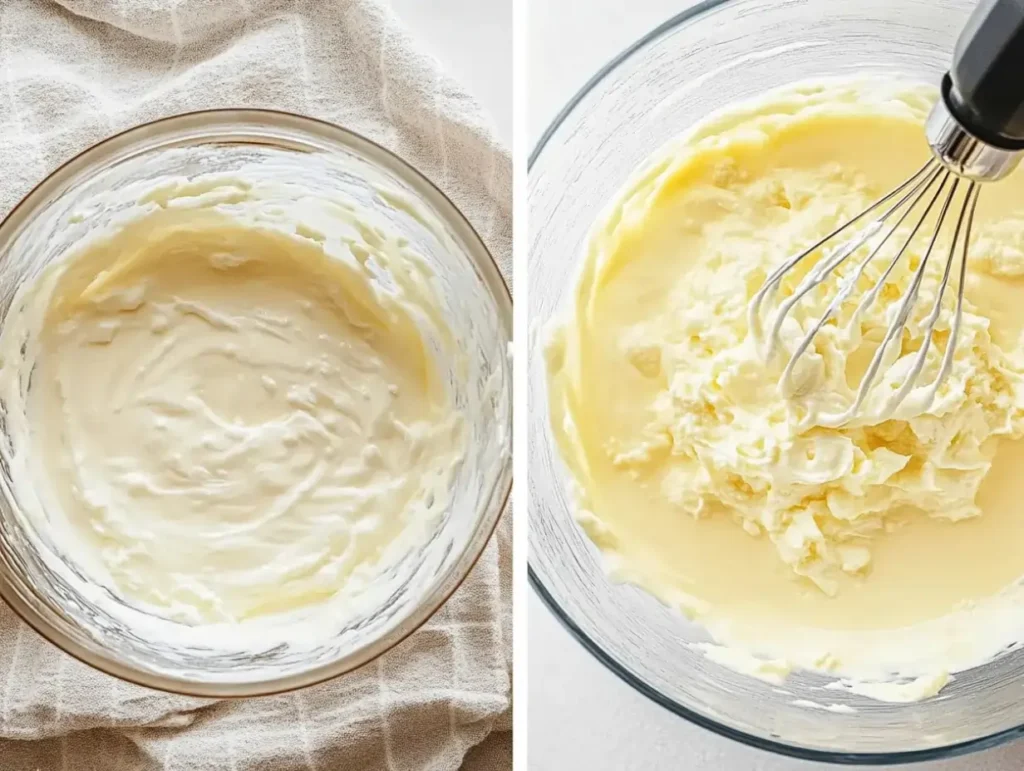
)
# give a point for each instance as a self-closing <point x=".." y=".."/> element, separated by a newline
<point x="580" y="716"/>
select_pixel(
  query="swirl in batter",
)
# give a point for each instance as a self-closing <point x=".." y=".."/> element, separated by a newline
<point x="228" y="415"/>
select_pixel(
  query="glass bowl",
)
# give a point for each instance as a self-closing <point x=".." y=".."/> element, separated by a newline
<point x="717" y="53"/>
<point x="311" y="157"/>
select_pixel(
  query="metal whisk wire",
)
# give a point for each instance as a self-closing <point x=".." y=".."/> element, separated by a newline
<point x="826" y="266"/>
<point x="909" y="195"/>
<point x="976" y="134"/>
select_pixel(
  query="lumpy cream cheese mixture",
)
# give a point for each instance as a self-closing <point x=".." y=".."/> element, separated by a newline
<point x="220" y="414"/>
<point x="885" y="554"/>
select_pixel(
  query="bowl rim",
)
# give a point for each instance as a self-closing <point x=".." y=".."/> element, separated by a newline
<point x="139" y="139"/>
<point x="619" y="669"/>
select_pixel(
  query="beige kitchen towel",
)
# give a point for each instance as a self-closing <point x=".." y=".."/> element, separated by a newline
<point x="74" y="71"/>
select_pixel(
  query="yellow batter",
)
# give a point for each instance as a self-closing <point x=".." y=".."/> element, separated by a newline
<point x="885" y="553"/>
<point x="220" y="411"/>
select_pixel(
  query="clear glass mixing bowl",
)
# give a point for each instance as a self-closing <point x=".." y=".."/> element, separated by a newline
<point x="315" y="157"/>
<point x="717" y="53"/>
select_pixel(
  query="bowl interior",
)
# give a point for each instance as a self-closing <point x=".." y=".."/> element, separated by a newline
<point x="308" y="159"/>
<point x="717" y="54"/>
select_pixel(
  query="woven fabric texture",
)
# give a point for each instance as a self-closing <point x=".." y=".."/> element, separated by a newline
<point x="75" y="71"/>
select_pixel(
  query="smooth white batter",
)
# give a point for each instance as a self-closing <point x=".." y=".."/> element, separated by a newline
<point x="227" y="408"/>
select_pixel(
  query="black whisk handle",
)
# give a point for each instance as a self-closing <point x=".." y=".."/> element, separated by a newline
<point x="986" y="91"/>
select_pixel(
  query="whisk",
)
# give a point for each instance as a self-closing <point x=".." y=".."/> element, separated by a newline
<point x="976" y="134"/>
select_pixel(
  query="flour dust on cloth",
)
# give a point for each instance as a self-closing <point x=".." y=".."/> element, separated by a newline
<point x="76" y="71"/>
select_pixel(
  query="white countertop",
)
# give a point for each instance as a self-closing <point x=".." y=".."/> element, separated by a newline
<point x="580" y="715"/>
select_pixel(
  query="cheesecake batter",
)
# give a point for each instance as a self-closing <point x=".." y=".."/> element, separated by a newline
<point x="226" y="407"/>
<point x="885" y="553"/>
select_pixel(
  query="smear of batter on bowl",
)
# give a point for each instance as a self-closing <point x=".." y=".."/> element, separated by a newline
<point x="886" y="555"/>
<point x="226" y="407"/>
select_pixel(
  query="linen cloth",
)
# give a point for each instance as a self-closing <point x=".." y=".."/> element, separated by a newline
<point x="75" y="71"/>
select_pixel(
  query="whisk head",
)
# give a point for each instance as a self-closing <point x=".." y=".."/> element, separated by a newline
<point x="934" y="195"/>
